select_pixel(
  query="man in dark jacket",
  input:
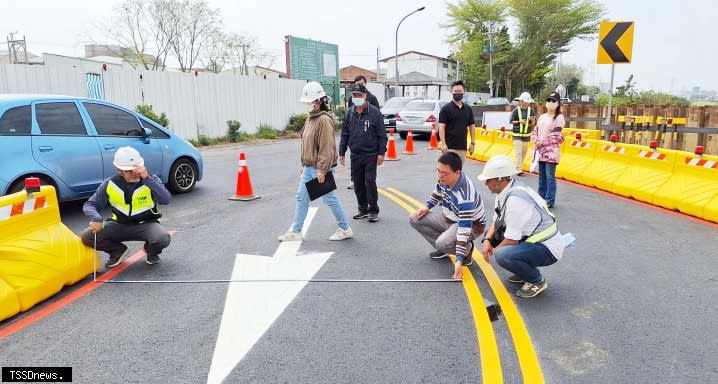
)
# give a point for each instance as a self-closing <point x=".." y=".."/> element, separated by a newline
<point x="364" y="134"/>
<point x="133" y="194"/>
<point x="370" y="98"/>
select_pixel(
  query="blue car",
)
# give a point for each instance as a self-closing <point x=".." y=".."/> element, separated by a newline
<point x="69" y="142"/>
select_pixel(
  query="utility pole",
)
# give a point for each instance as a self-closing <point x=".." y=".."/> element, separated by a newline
<point x="12" y="48"/>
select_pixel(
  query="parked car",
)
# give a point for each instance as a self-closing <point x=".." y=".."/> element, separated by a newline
<point x="69" y="142"/>
<point x="497" y="101"/>
<point x="392" y="107"/>
<point x="418" y="116"/>
<point x="566" y="100"/>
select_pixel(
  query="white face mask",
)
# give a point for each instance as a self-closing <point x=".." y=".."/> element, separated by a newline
<point x="358" y="101"/>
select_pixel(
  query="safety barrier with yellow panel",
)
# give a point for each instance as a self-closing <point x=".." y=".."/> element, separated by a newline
<point x="593" y="134"/>
<point x="692" y="187"/>
<point x="611" y="159"/>
<point x="649" y="170"/>
<point x="526" y="163"/>
<point x="576" y="155"/>
<point x="484" y="141"/>
<point x="38" y="254"/>
<point x="503" y="145"/>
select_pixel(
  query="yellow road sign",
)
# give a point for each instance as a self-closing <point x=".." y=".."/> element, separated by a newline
<point x="615" y="42"/>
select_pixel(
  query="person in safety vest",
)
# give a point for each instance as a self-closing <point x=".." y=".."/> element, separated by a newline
<point x="523" y="118"/>
<point x="524" y="234"/>
<point x="133" y="195"/>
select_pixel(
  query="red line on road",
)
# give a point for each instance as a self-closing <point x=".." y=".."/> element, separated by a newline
<point x="53" y="307"/>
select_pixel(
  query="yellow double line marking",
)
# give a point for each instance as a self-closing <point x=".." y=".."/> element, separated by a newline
<point x="490" y="361"/>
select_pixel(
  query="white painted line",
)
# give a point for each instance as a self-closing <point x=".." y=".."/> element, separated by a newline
<point x="251" y="308"/>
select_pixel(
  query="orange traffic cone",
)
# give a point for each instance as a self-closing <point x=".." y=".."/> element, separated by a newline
<point x="391" y="151"/>
<point x="432" y="142"/>
<point x="244" y="184"/>
<point x="409" y="147"/>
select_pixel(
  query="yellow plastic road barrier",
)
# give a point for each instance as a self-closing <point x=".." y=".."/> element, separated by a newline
<point x="610" y="161"/>
<point x="593" y="134"/>
<point x="649" y="170"/>
<point x="526" y="163"/>
<point x="711" y="210"/>
<point x="503" y="145"/>
<point x="576" y="156"/>
<point x="692" y="187"/>
<point x="484" y="140"/>
<point x="38" y="254"/>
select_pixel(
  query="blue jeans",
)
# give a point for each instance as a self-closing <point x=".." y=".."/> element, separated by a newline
<point x="547" y="182"/>
<point x="330" y="199"/>
<point x="523" y="258"/>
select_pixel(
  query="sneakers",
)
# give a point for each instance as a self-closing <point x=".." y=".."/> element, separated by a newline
<point x="360" y="215"/>
<point x="341" y="234"/>
<point x="515" y="279"/>
<point x="116" y="259"/>
<point x="438" y="255"/>
<point x="351" y="185"/>
<point x="373" y="217"/>
<point x="468" y="260"/>
<point x="520" y="173"/>
<point x="152" y="259"/>
<point x="290" y="236"/>
<point x="530" y="290"/>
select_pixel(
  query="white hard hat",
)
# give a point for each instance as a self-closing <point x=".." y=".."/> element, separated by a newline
<point x="526" y="97"/>
<point x="312" y="91"/>
<point x="127" y="158"/>
<point x="498" y="166"/>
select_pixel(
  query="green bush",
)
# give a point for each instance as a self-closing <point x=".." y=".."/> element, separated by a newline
<point x="296" y="122"/>
<point x="146" y="111"/>
<point x="340" y="112"/>
<point x="233" y="130"/>
<point x="266" y="131"/>
<point x="204" y="140"/>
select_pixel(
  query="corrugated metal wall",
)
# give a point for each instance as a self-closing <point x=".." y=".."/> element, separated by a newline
<point x="194" y="104"/>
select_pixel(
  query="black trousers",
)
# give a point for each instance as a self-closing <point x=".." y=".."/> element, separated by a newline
<point x="364" y="176"/>
<point x="111" y="237"/>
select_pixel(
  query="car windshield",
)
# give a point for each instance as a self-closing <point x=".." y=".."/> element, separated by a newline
<point x="420" y="106"/>
<point x="397" y="102"/>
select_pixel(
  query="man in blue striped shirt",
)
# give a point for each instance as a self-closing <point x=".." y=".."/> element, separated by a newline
<point x="462" y="217"/>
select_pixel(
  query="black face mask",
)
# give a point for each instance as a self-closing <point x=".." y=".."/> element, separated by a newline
<point x="458" y="96"/>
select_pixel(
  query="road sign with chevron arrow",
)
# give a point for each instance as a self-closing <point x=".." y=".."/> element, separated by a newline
<point x="615" y="42"/>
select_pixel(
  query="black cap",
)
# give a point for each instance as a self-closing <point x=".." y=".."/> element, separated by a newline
<point x="553" y="96"/>
<point x="359" y="89"/>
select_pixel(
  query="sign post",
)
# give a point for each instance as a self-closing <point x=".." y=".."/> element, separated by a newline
<point x="615" y="45"/>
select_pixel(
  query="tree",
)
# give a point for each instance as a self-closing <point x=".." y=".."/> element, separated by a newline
<point x="239" y="51"/>
<point x="543" y="30"/>
<point x="199" y="25"/>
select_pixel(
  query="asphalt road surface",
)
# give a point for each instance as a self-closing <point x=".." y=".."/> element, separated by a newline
<point x="632" y="302"/>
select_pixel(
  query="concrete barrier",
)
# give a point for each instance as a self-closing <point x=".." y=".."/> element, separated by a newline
<point x="38" y="254"/>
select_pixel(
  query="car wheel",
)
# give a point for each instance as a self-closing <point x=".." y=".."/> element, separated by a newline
<point x="19" y="184"/>
<point x="403" y="135"/>
<point x="183" y="176"/>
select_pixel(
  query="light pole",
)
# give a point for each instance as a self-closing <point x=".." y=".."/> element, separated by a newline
<point x="491" y="64"/>
<point x="396" y="51"/>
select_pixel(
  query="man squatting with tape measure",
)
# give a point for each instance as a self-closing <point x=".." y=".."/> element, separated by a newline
<point x="133" y="195"/>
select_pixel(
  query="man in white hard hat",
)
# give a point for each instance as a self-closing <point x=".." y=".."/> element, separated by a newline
<point x="133" y="195"/>
<point x="523" y="118"/>
<point x="523" y="234"/>
<point x="461" y="217"/>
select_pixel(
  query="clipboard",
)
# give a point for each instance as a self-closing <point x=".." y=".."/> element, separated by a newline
<point x="317" y="190"/>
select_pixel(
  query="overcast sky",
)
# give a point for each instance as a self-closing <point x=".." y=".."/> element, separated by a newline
<point x="673" y="47"/>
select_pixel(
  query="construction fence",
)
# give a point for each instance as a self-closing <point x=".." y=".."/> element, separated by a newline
<point x="195" y="103"/>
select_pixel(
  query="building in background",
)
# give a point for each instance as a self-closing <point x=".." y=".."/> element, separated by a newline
<point x="440" y="68"/>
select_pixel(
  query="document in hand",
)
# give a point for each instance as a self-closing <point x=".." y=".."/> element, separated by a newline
<point x="317" y="189"/>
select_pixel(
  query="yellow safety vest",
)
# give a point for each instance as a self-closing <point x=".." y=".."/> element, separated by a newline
<point x="140" y="208"/>
<point x="524" y="128"/>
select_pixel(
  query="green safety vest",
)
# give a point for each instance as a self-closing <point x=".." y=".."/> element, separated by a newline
<point x="140" y="208"/>
<point x="524" y="128"/>
<point x="546" y="228"/>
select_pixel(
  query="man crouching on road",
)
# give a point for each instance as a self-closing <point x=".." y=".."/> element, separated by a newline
<point x="524" y="234"/>
<point x="462" y="217"/>
<point x="133" y="195"/>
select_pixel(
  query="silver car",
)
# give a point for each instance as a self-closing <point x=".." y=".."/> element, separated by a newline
<point x="419" y="116"/>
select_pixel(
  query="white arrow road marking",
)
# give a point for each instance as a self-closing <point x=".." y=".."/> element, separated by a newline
<point x="251" y="308"/>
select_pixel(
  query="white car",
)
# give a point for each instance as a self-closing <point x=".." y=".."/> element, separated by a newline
<point x="419" y="116"/>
